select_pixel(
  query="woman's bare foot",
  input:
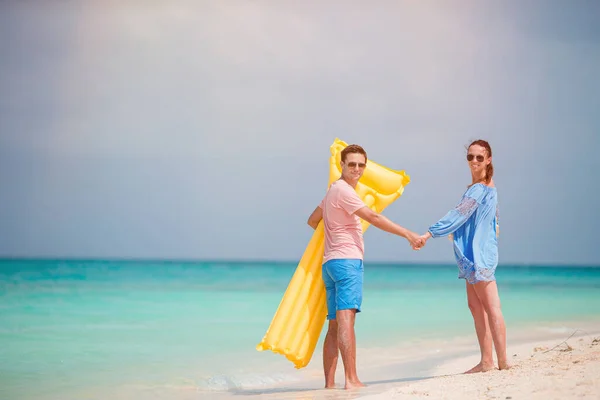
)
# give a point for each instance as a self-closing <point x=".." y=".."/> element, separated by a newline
<point x="481" y="367"/>
<point x="354" y="384"/>
<point x="504" y="365"/>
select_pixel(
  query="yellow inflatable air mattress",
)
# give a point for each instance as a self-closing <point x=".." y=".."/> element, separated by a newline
<point x="299" y="319"/>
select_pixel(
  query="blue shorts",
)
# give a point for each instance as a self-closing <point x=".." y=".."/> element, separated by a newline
<point x="343" y="285"/>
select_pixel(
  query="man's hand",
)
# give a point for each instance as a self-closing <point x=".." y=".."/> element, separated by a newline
<point x="315" y="218"/>
<point x="416" y="241"/>
<point x="422" y="239"/>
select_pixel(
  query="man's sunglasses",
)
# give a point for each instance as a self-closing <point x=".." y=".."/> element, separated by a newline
<point x="353" y="164"/>
<point x="470" y="157"/>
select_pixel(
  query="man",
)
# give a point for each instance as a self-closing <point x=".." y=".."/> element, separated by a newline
<point x="341" y="210"/>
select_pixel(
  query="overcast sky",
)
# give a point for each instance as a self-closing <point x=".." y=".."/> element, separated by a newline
<point x="196" y="129"/>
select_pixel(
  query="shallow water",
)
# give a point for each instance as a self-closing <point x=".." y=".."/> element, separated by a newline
<point x="74" y="327"/>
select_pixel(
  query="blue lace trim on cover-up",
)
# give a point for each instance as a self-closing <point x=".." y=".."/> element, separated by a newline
<point x="471" y="272"/>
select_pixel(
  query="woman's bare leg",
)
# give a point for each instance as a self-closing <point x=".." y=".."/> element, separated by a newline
<point x="482" y="329"/>
<point x="488" y="294"/>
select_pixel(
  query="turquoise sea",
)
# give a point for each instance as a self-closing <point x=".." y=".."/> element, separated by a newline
<point x="104" y="329"/>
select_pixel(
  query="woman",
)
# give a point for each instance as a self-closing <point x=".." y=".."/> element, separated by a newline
<point x="473" y="223"/>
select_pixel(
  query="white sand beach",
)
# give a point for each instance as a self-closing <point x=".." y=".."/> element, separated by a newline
<point x="551" y="369"/>
<point x="551" y="364"/>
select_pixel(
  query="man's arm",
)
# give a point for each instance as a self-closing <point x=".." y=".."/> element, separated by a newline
<point x="315" y="217"/>
<point x="385" y="224"/>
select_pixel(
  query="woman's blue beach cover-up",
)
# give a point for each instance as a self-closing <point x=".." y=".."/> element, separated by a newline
<point x="473" y="223"/>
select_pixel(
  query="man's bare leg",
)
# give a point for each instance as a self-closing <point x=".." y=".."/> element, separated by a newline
<point x="347" y="345"/>
<point x="482" y="329"/>
<point x="330" y="354"/>
<point x="488" y="294"/>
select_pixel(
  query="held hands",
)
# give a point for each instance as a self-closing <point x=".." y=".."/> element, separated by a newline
<point x="416" y="241"/>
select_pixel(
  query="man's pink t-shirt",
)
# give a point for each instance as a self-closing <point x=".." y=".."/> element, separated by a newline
<point x="343" y="231"/>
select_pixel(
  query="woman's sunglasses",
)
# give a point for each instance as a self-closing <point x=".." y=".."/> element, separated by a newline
<point x="470" y="157"/>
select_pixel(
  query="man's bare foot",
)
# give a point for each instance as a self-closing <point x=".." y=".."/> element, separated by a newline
<point x="354" y="384"/>
<point x="330" y="386"/>
<point x="481" y="367"/>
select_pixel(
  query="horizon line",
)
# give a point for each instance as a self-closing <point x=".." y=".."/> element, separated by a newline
<point x="265" y="260"/>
